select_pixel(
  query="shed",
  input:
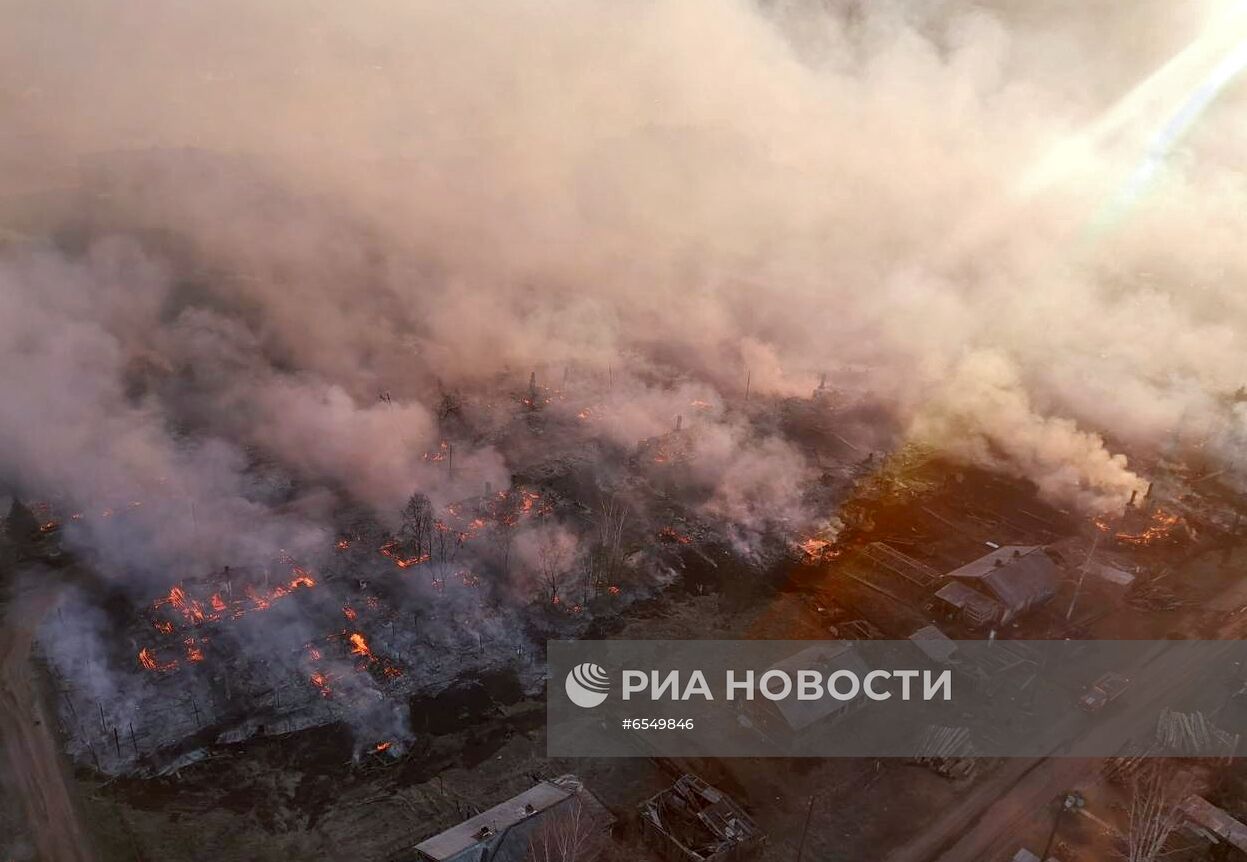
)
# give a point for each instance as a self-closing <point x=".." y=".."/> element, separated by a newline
<point x="934" y="643"/>
<point x="977" y="608"/>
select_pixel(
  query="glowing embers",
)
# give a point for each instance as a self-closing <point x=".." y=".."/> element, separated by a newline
<point x="149" y="661"/>
<point x="815" y="550"/>
<point x="390" y="551"/>
<point x="194" y="652"/>
<point x="1145" y="528"/>
<point x="220" y="605"/>
<point x="441" y="453"/>
<point x="1161" y="527"/>
<point x="321" y="681"/>
<point x="359" y="646"/>
<point x="217" y="607"/>
<point x="332" y="678"/>
<point x="671" y="534"/>
<point x="50" y="521"/>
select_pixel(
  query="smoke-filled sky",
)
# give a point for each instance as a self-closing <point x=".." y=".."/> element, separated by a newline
<point x="281" y="209"/>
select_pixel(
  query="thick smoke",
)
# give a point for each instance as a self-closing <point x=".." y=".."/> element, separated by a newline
<point x="394" y="196"/>
<point x="252" y="252"/>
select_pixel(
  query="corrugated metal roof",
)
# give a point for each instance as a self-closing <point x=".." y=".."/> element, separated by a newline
<point x="446" y="845"/>
<point x="1215" y="820"/>
<point x="1112" y="574"/>
<point x="827" y="659"/>
<point x="934" y="642"/>
<point x="511" y="824"/>
<point x="1025" y="855"/>
<point x="959" y="595"/>
<point x="1019" y="576"/>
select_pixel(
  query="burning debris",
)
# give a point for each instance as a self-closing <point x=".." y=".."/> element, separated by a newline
<point x="1161" y="527"/>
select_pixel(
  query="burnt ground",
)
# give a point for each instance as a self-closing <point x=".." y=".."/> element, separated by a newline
<point x="303" y="796"/>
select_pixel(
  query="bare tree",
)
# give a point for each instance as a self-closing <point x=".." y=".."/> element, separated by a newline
<point x="612" y="515"/>
<point x="446" y="543"/>
<point x="566" y="835"/>
<point x="554" y="549"/>
<point x="1156" y="793"/>
<point x="416" y="531"/>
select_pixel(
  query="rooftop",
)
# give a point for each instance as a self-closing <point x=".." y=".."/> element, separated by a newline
<point x="456" y="839"/>
<point x="1018" y="575"/>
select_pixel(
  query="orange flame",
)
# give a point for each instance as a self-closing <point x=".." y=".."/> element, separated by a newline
<point x="193" y="652"/>
<point x="671" y="534"/>
<point x="388" y="550"/>
<point x="1162" y="527"/>
<point x="149" y="661"/>
<point x="322" y="682"/>
<point x="359" y="646"/>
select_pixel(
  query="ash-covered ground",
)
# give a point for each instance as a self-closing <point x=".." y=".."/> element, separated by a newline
<point x="387" y="613"/>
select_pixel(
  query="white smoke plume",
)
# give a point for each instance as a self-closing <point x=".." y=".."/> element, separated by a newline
<point x="395" y="195"/>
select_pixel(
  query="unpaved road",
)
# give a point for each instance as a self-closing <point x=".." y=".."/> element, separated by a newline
<point x="32" y="760"/>
<point x="983" y="826"/>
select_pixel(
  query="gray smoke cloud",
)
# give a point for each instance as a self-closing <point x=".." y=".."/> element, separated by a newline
<point x="230" y="227"/>
<point x="399" y="195"/>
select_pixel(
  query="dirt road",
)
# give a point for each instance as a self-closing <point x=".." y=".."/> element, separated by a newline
<point x="31" y="756"/>
<point x="984" y="825"/>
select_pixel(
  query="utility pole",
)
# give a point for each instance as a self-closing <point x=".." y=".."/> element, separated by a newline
<point x="748" y="381"/>
<point x="1081" y="575"/>
<point x="805" y="827"/>
<point x="1072" y="800"/>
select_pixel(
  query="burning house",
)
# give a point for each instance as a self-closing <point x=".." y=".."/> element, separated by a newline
<point x="560" y="811"/>
<point x="1002" y="585"/>
<point x="694" y="822"/>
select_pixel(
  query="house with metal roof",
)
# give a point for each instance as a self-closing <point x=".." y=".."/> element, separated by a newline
<point x="792" y="714"/>
<point x="505" y="832"/>
<point x="1015" y="577"/>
